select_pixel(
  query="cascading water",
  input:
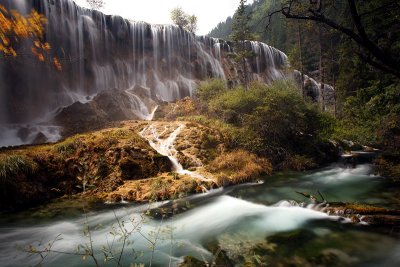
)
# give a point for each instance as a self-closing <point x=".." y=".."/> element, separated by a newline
<point x="100" y="52"/>
<point x="163" y="142"/>
<point x="318" y="92"/>
<point x="266" y="61"/>
<point x="164" y="146"/>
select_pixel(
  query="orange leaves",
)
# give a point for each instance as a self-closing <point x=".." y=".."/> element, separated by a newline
<point x="46" y="46"/>
<point x="15" y="27"/>
<point x="57" y="64"/>
<point x="3" y="9"/>
<point x="38" y="54"/>
<point x="39" y="49"/>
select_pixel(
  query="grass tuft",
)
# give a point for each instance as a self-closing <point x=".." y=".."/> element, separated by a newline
<point x="238" y="167"/>
<point x="12" y="166"/>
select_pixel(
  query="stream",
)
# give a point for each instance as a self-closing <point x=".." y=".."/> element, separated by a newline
<point x="269" y="216"/>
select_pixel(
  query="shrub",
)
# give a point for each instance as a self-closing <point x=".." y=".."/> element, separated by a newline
<point x="159" y="189"/>
<point x="238" y="166"/>
<point x="210" y="89"/>
<point x="68" y="146"/>
<point x="183" y="107"/>
<point x="272" y="121"/>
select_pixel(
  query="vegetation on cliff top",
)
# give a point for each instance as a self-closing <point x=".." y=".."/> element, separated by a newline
<point x="272" y="121"/>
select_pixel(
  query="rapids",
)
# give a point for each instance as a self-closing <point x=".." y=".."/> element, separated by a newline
<point x="234" y="218"/>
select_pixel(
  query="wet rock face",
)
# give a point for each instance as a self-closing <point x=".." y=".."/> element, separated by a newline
<point x="136" y="168"/>
<point x="108" y="106"/>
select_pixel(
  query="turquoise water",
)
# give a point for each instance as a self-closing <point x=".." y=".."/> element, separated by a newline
<point x="265" y="224"/>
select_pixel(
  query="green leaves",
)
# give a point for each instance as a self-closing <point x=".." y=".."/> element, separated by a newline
<point x="184" y="20"/>
<point x="268" y="120"/>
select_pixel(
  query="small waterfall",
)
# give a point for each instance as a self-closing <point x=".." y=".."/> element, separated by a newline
<point x="164" y="146"/>
<point x="324" y="94"/>
<point x="267" y="62"/>
<point x="163" y="142"/>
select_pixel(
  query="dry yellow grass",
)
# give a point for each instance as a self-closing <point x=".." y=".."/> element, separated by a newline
<point x="238" y="167"/>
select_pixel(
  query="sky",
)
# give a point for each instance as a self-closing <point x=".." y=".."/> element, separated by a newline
<point x="209" y="12"/>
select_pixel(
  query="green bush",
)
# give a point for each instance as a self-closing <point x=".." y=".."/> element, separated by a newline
<point x="68" y="146"/>
<point x="270" y="120"/>
<point x="365" y="114"/>
<point x="210" y="89"/>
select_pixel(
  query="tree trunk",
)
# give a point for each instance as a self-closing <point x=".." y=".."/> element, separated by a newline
<point x="301" y="60"/>
<point x="321" y="71"/>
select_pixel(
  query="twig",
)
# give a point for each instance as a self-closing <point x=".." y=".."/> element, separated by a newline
<point x="90" y="239"/>
<point x="322" y="197"/>
<point x="311" y="197"/>
<point x="124" y="233"/>
<point x="155" y="241"/>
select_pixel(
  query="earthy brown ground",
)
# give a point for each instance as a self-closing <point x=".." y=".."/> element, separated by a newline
<point x="110" y="165"/>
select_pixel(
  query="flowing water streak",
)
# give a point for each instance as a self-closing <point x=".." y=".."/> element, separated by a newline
<point x="220" y="218"/>
<point x="165" y="146"/>
<point x="189" y="229"/>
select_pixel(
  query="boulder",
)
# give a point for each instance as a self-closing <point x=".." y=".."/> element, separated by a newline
<point x="39" y="139"/>
<point x="108" y="106"/>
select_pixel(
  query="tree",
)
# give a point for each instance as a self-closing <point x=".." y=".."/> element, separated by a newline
<point x="14" y="28"/>
<point x="184" y="20"/>
<point x="96" y="4"/>
<point x="222" y="30"/>
<point x="373" y="26"/>
<point x="241" y="32"/>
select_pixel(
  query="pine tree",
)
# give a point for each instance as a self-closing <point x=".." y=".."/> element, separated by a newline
<point x="241" y="33"/>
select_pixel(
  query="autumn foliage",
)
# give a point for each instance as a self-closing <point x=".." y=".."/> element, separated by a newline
<point x="15" y="27"/>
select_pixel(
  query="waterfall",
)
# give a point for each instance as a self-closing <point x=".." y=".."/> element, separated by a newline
<point x="163" y="142"/>
<point x="268" y="61"/>
<point x="164" y="146"/>
<point x="323" y="94"/>
<point x="103" y="52"/>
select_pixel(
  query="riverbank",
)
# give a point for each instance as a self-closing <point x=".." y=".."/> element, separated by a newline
<point x="120" y="163"/>
<point x="145" y="161"/>
<point x="236" y="225"/>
